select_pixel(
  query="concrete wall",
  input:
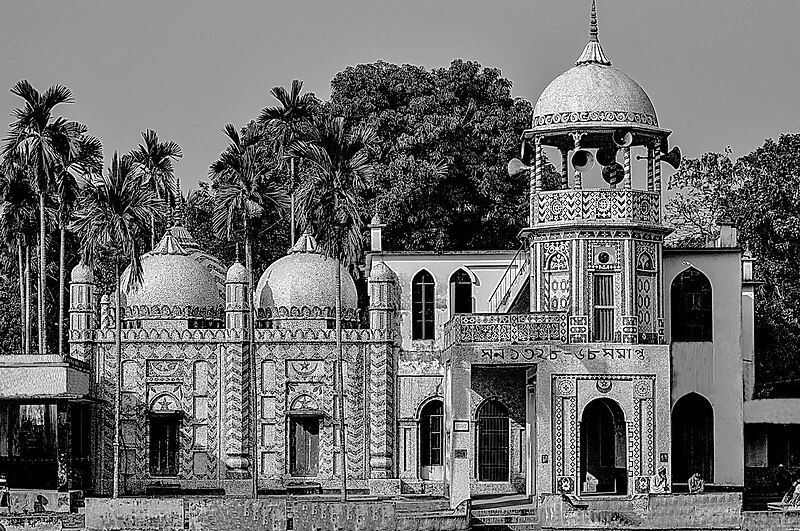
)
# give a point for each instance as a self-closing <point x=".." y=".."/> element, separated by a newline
<point x="713" y="370"/>
<point x="485" y="268"/>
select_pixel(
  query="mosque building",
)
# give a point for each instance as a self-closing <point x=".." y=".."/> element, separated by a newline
<point x="592" y="360"/>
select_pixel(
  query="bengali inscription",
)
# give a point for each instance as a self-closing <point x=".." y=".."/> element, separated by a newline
<point x="548" y="353"/>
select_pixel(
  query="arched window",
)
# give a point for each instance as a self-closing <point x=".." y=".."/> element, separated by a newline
<point x="603" y="448"/>
<point x="493" y="440"/>
<point x="422" y="309"/>
<point x="692" y="439"/>
<point x="431" y="434"/>
<point x="460" y="292"/>
<point x="691" y="307"/>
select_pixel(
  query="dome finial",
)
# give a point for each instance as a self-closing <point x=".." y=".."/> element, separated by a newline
<point x="593" y="23"/>
<point x="593" y="52"/>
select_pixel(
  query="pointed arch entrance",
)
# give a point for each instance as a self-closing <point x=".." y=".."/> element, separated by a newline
<point x="692" y="439"/>
<point x="603" y="460"/>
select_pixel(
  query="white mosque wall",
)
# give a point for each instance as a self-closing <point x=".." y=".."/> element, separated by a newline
<point x="714" y="369"/>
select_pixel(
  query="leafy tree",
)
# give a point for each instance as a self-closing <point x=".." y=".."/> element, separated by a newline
<point x="153" y="159"/>
<point x="445" y="139"/>
<point x="114" y="211"/>
<point x="39" y="139"/>
<point x="338" y="161"/>
<point x="700" y="192"/>
<point x="289" y="121"/>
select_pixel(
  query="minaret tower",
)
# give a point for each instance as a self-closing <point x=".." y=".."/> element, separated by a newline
<point x="595" y="241"/>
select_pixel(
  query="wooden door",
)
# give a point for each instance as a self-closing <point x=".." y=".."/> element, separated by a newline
<point x="304" y="446"/>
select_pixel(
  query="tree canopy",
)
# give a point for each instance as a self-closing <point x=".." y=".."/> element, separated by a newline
<point x="445" y="138"/>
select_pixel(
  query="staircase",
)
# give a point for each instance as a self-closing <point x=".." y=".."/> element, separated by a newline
<point x="506" y="518"/>
<point x="511" y="283"/>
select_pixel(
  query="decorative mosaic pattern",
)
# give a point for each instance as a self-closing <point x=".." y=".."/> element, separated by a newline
<point x="488" y="328"/>
<point x="619" y="205"/>
<point x="595" y="116"/>
<point x="171" y="312"/>
<point x="305" y="312"/>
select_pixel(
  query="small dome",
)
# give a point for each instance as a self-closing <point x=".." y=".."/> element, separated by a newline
<point x="302" y="286"/>
<point x="174" y="286"/>
<point x="380" y="272"/>
<point x="81" y="274"/>
<point x="237" y="274"/>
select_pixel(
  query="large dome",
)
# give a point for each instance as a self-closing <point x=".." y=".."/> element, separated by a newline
<point x="593" y="94"/>
<point x="174" y="286"/>
<point x="301" y="287"/>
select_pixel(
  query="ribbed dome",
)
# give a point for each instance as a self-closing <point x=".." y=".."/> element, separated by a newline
<point x="302" y="285"/>
<point x="81" y="274"/>
<point x="174" y="286"/>
<point x="237" y="274"/>
<point x="593" y="93"/>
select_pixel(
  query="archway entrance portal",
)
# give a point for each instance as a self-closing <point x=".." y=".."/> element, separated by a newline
<point x="692" y="439"/>
<point x="603" y="449"/>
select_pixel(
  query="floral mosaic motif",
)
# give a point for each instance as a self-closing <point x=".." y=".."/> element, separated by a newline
<point x="642" y="484"/>
<point x="304" y="402"/>
<point x="167" y="369"/>
<point x="566" y="484"/>
<point x="643" y="388"/>
<point x="595" y="116"/>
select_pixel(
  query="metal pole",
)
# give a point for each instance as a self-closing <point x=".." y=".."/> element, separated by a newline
<point x="340" y="380"/>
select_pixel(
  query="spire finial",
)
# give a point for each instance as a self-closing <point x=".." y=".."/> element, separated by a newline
<point x="593" y="52"/>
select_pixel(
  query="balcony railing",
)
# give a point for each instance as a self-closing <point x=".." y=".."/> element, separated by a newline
<point x="495" y="328"/>
<point x="603" y="204"/>
<point x="515" y="270"/>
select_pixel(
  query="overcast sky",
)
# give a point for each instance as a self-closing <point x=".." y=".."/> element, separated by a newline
<point x="721" y="72"/>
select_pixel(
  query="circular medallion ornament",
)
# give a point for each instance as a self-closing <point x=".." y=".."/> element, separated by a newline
<point x="604" y="386"/>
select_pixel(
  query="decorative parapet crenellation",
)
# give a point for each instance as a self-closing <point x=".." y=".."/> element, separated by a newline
<point x="604" y="204"/>
<point x="206" y="335"/>
<point x="491" y="328"/>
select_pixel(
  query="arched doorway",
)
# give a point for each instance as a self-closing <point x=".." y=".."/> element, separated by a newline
<point x="431" y="440"/>
<point x="604" y="466"/>
<point x="493" y="455"/>
<point x="692" y="439"/>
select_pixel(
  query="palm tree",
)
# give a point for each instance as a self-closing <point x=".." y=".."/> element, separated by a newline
<point x="113" y="210"/>
<point x="39" y="138"/>
<point x="154" y="160"/>
<point x="83" y="157"/>
<point x="244" y="188"/>
<point x="17" y="229"/>
<point x="287" y="122"/>
<point x="338" y="160"/>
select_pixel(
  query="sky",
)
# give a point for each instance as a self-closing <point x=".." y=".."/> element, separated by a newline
<point x="719" y="72"/>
